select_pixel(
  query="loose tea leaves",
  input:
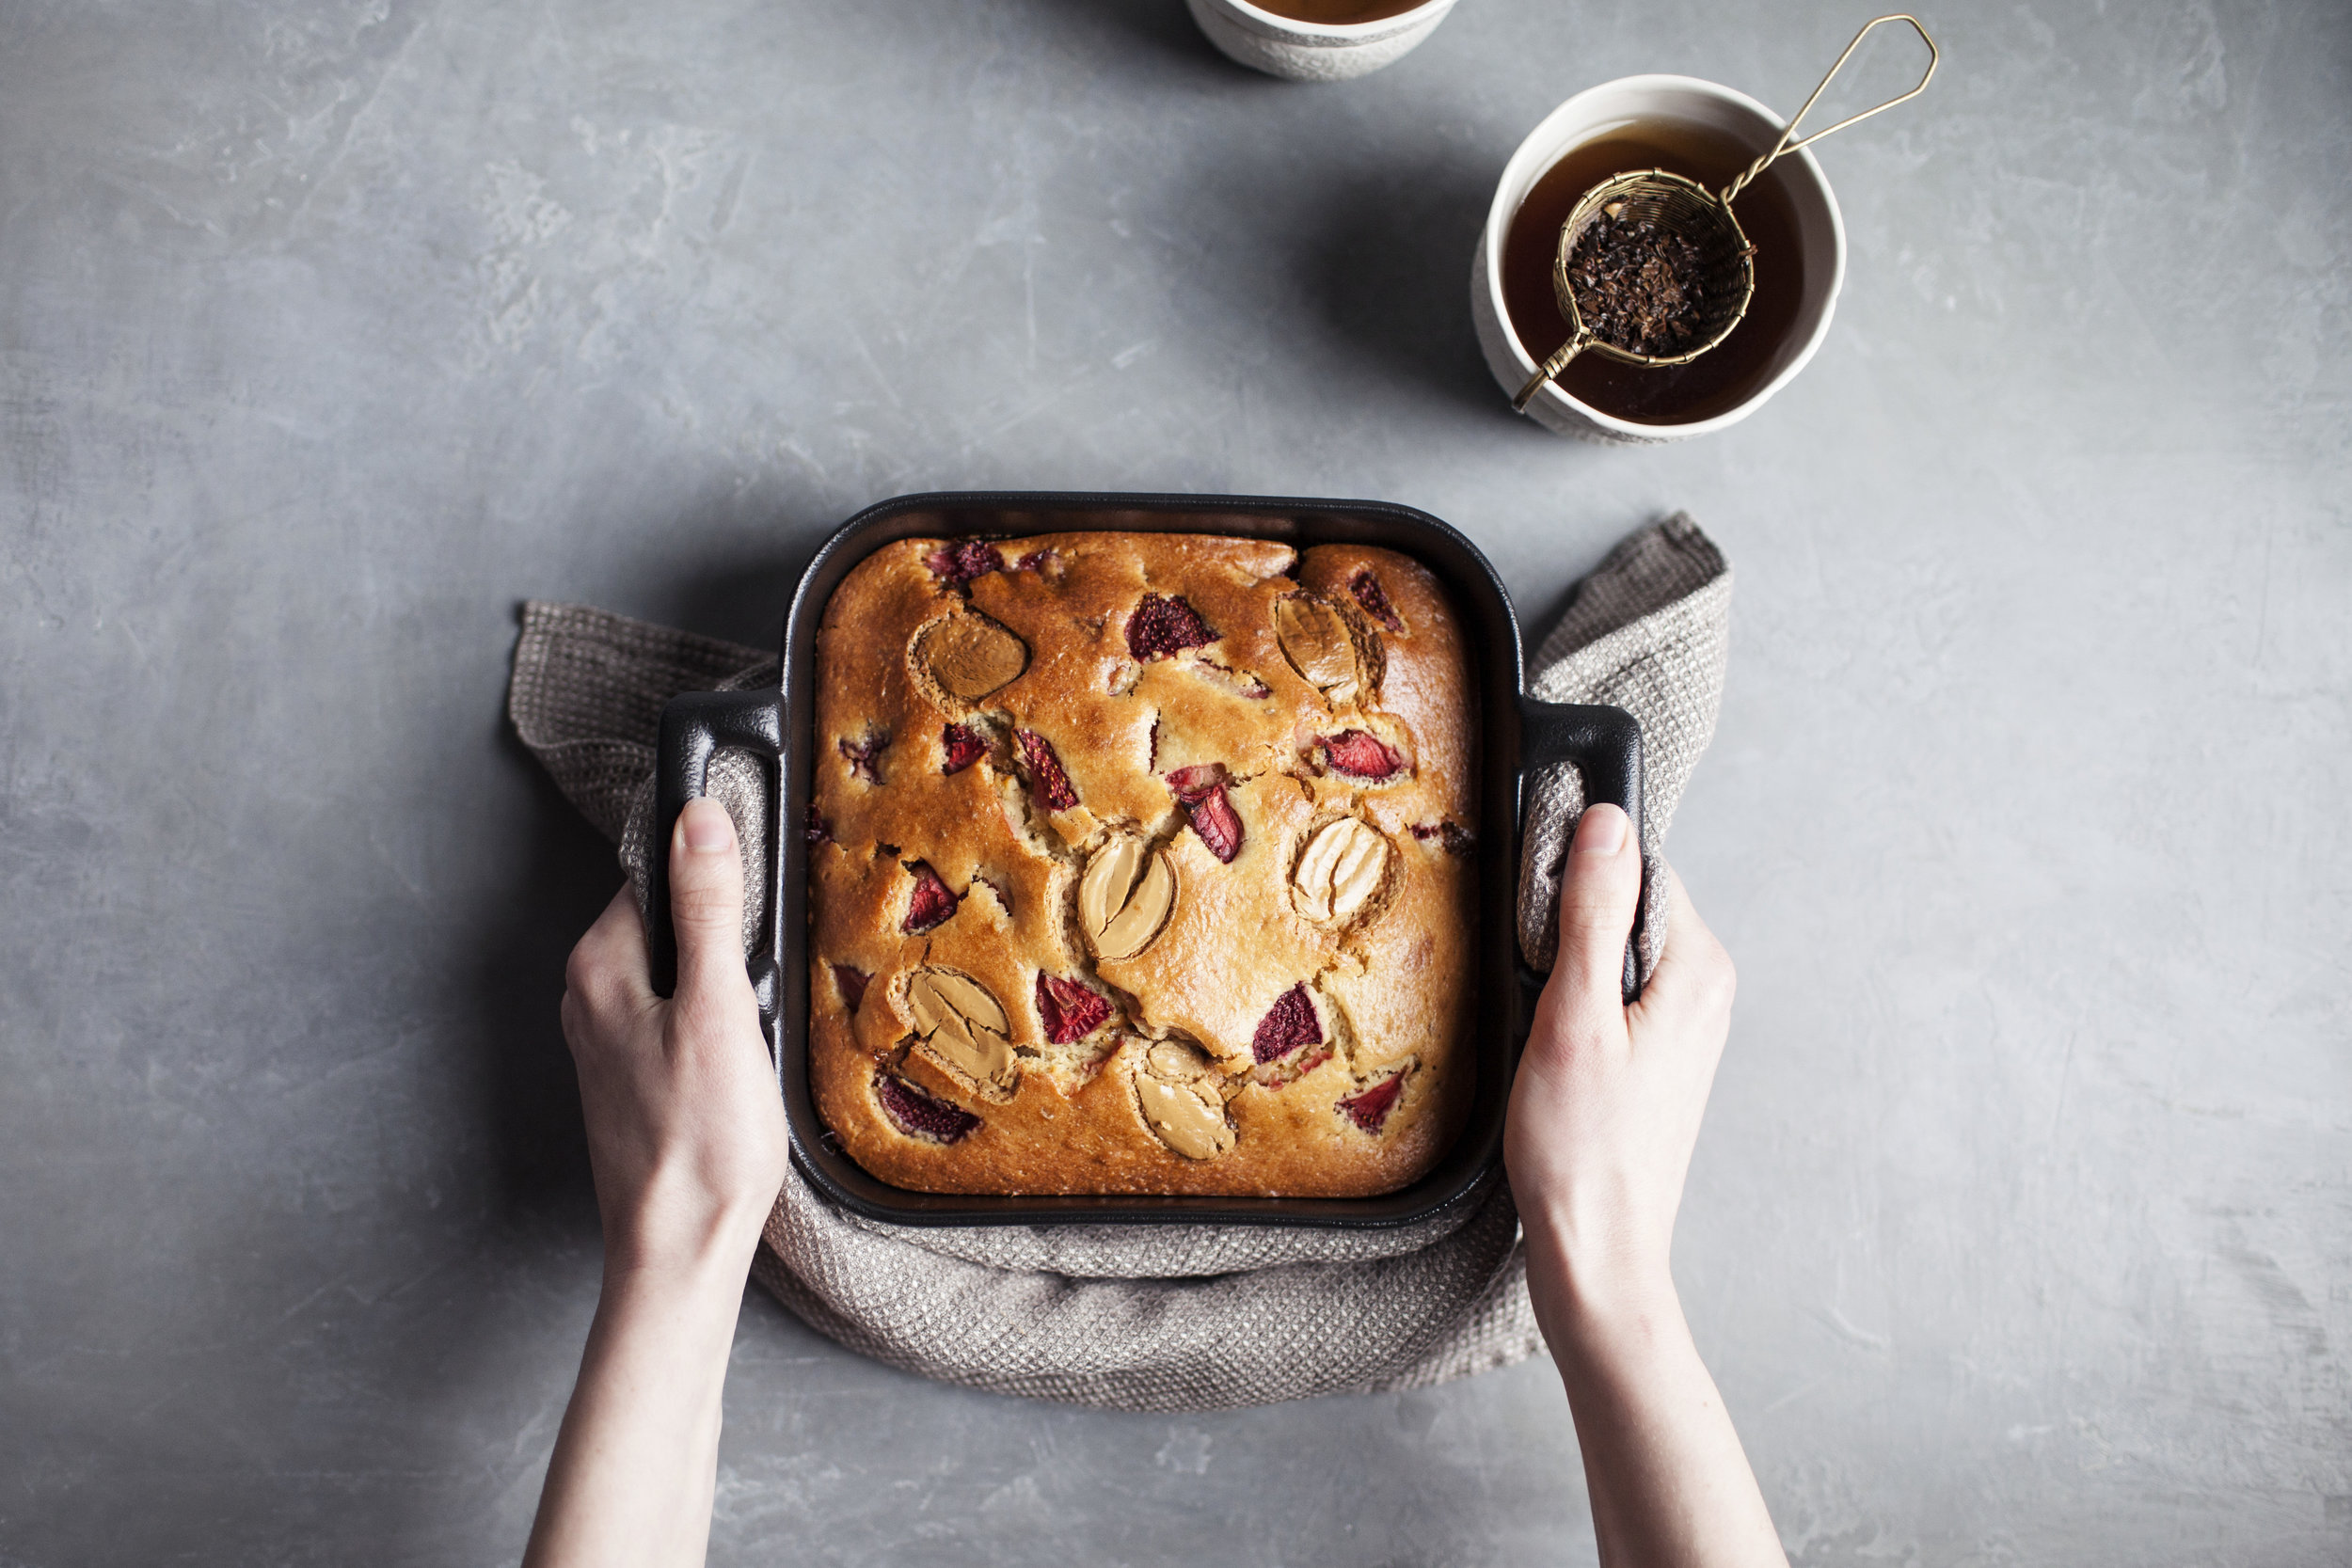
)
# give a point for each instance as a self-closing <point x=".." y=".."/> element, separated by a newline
<point x="1638" y="286"/>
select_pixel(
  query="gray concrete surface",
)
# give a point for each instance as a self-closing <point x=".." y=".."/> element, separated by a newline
<point x="2020" y="1229"/>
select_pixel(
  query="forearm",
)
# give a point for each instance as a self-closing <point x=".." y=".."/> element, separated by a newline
<point x="631" y="1477"/>
<point x="1670" y="1485"/>
<point x="686" y="1138"/>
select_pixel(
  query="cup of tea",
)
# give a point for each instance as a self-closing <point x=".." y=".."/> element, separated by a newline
<point x="1686" y="126"/>
<point x="1318" y="40"/>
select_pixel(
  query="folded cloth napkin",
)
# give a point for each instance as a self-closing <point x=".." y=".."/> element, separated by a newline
<point x="1159" y="1316"/>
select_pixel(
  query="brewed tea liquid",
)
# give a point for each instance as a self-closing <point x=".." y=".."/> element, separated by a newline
<point x="1718" y="380"/>
<point x="1338" y="13"/>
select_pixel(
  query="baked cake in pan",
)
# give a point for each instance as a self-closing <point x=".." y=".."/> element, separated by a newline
<point x="1139" y="862"/>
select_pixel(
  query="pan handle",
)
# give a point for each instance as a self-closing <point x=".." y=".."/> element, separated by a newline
<point x="1605" y="745"/>
<point x="693" y="727"/>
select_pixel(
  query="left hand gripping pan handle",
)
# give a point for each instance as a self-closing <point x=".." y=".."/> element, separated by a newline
<point x="693" y="727"/>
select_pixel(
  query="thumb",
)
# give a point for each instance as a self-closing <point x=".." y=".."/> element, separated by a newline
<point x="706" y="899"/>
<point x="1600" y="889"/>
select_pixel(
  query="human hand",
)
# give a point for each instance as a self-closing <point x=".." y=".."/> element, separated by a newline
<point x="685" y="1128"/>
<point x="1607" y="1105"/>
<point x="686" y="1137"/>
<point x="1603" y="1116"/>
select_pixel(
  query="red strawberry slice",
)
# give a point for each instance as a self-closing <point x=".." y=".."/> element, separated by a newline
<point x="919" y="1114"/>
<point x="1371" y="1108"/>
<point x="1162" y="625"/>
<point x="1452" y="837"/>
<point x="853" y="982"/>
<point x="1218" y="823"/>
<point x="1201" y="788"/>
<point x="1360" y="756"/>
<point x="930" y="902"/>
<point x="1071" y="1011"/>
<point x="1374" y="599"/>
<point x="1290" y="1024"/>
<point x="960" y="563"/>
<point x="816" y="829"/>
<point x="1045" y="771"/>
<point x="1190" y="784"/>
<point x="865" y="756"/>
<point x="962" y="747"/>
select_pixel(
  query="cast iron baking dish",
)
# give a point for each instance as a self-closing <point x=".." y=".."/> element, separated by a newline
<point x="1515" y="733"/>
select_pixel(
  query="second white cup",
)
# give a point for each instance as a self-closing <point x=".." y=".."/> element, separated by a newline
<point x="1314" y="51"/>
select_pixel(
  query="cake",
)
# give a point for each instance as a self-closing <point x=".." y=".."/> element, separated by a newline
<point x="1141" y="864"/>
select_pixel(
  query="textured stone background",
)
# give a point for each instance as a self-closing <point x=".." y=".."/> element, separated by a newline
<point x="2020" y="1231"/>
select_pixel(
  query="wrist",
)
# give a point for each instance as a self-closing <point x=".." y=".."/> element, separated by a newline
<point x="688" y="1292"/>
<point x="1596" y="1276"/>
<point x="706" y="1248"/>
<point x="1605" y="1330"/>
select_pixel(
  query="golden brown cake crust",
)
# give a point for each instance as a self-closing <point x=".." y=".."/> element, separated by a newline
<point x="1140" y="864"/>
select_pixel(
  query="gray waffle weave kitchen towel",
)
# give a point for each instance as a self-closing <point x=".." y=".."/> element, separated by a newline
<point x="1649" y="632"/>
<point x="1158" y="1317"/>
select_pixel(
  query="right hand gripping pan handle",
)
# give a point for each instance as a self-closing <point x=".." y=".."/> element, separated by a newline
<point x="1605" y="745"/>
<point x="693" y="727"/>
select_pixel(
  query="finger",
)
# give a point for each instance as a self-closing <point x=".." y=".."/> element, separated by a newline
<point x="608" y="967"/>
<point x="707" y="904"/>
<point x="1600" y="888"/>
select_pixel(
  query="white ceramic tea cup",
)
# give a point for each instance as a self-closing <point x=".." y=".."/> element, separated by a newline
<point x="1614" y="107"/>
<point x="1314" y="51"/>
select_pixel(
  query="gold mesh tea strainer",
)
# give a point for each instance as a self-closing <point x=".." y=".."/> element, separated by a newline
<point x="1671" y="204"/>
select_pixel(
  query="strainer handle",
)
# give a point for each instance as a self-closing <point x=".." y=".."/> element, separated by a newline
<point x="1786" y="145"/>
<point x="1550" y="367"/>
